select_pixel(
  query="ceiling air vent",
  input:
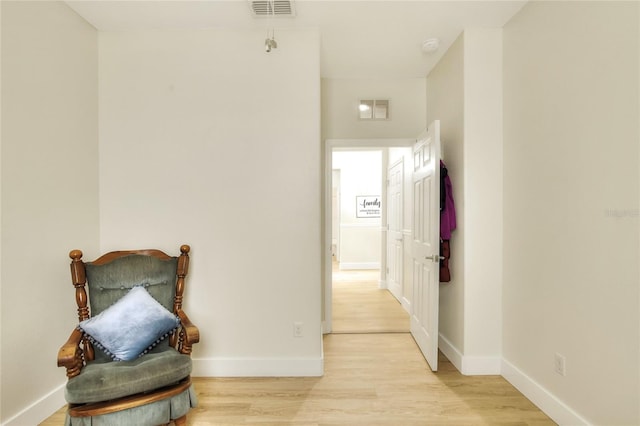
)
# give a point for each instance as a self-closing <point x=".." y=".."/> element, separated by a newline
<point x="267" y="8"/>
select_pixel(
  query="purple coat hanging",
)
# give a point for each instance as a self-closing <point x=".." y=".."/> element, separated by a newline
<point x="447" y="221"/>
<point x="448" y="210"/>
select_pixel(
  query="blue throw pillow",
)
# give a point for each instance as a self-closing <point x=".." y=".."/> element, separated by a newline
<point x="130" y="327"/>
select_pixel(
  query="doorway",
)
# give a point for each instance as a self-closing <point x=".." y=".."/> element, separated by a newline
<point x="361" y="302"/>
<point x="360" y="286"/>
<point x="357" y="203"/>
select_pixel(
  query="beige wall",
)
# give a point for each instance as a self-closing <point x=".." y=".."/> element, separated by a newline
<point x="340" y="99"/>
<point x="464" y="91"/>
<point x="571" y="183"/>
<point x="49" y="193"/>
<point x="483" y="198"/>
<point x="222" y="151"/>
<point x="445" y="96"/>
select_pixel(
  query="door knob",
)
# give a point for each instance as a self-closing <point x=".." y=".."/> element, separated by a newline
<point x="435" y="257"/>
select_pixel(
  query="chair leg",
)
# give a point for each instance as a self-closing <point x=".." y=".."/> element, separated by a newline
<point x="182" y="421"/>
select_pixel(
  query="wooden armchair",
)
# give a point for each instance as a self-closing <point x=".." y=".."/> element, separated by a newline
<point x="130" y="293"/>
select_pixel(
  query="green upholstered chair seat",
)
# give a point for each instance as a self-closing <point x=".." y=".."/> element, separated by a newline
<point x="103" y="381"/>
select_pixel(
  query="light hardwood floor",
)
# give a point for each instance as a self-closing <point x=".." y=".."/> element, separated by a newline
<point x="360" y="306"/>
<point x="371" y="378"/>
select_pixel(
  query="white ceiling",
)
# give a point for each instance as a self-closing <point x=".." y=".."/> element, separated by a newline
<point x="360" y="39"/>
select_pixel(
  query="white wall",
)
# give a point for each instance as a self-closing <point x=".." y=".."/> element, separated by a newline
<point x="49" y="195"/>
<point x="464" y="92"/>
<point x="341" y="97"/>
<point x="445" y="94"/>
<point x="206" y="139"/>
<point x="360" y="238"/>
<point x="483" y="198"/>
<point x="571" y="204"/>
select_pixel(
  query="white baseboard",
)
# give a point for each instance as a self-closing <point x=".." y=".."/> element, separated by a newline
<point x="451" y="352"/>
<point x="39" y="410"/>
<point x="345" y="266"/>
<point x="481" y="365"/>
<point x="541" y="397"/>
<point x="406" y="304"/>
<point x="258" y="367"/>
<point x="469" y="365"/>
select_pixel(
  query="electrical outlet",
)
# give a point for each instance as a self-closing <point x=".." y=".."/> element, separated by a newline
<point x="560" y="364"/>
<point x="297" y="329"/>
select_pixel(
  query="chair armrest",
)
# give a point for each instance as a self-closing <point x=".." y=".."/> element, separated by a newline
<point x="70" y="354"/>
<point x="189" y="333"/>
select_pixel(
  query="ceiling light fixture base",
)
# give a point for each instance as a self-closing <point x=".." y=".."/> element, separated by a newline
<point x="430" y="45"/>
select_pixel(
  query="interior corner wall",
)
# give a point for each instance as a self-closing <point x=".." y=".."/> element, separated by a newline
<point x="571" y="202"/>
<point x="49" y="195"/>
<point x="208" y="140"/>
<point x="445" y="98"/>
<point x="464" y="92"/>
<point x="483" y="200"/>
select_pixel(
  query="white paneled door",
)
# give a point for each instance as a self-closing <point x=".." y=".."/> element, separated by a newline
<point x="395" y="245"/>
<point x="426" y="243"/>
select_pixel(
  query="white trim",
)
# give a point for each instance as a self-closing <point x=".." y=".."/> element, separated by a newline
<point x="451" y="352"/>
<point x="481" y="365"/>
<point x="40" y="409"/>
<point x="407" y="237"/>
<point x="469" y="365"/>
<point x="406" y="304"/>
<point x="368" y="144"/>
<point x="536" y="393"/>
<point x="326" y="286"/>
<point x="329" y="146"/>
<point x="258" y="367"/>
<point x="541" y="397"/>
<point x="346" y="266"/>
<point x="376" y="226"/>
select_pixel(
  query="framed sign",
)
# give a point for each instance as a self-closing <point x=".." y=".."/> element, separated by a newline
<point x="368" y="206"/>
